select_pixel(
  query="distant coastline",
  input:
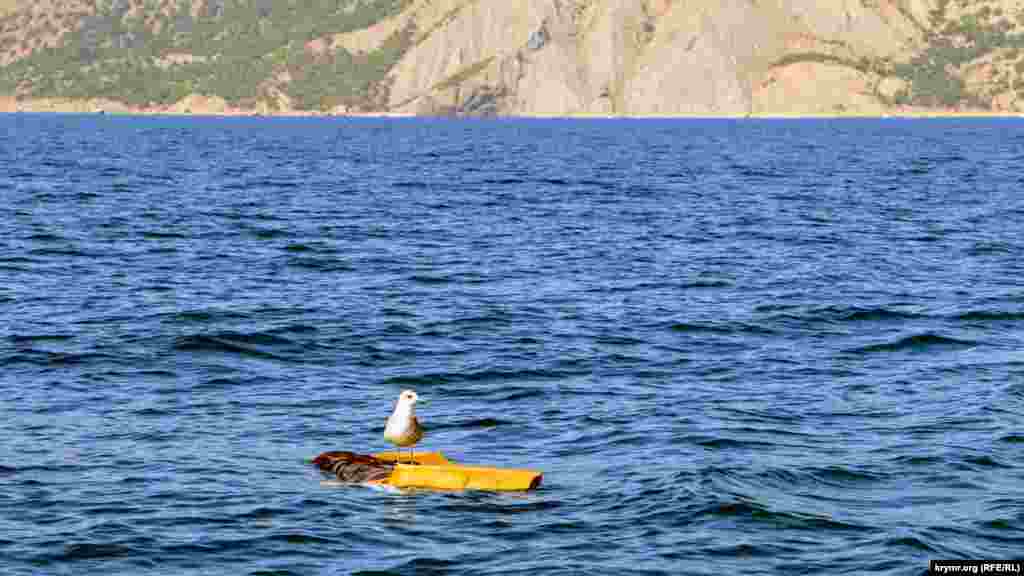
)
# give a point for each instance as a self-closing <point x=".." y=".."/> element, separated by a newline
<point x="203" y="106"/>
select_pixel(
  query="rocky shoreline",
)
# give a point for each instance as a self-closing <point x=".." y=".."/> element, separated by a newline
<point x="212" y="106"/>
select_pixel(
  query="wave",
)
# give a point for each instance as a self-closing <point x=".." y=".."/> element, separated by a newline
<point x="416" y="185"/>
<point x="716" y="328"/>
<point x="321" y="264"/>
<point x="924" y="342"/>
<point x="837" y="314"/>
<point x="856" y="314"/>
<point x="504" y="181"/>
<point x="30" y="338"/>
<point x="93" y="551"/>
<point x="48" y="358"/>
<point x="645" y="286"/>
<point x="161" y="235"/>
<point x="429" y="279"/>
<point x="268" y="233"/>
<point x="46" y="237"/>
<point x="759" y="513"/>
<point x="257" y="344"/>
<point x="732" y="443"/>
<point x="492" y="375"/>
<point x="206" y="315"/>
<point x="472" y="424"/>
<point x="989" y="316"/>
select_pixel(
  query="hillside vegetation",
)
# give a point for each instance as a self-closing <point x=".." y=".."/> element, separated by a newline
<point x="554" y="57"/>
<point x="156" y="52"/>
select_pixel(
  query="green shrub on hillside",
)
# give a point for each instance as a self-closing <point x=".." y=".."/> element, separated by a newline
<point x="934" y="73"/>
<point x="237" y="46"/>
<point x="341" y="78"/>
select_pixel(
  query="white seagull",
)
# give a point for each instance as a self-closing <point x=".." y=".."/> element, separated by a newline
<point x="403" y="429"/>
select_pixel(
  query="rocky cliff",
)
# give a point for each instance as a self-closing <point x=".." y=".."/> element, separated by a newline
<point x="532" y="57"/>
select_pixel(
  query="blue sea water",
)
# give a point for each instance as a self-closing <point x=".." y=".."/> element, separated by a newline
<point x="732" y="347"/>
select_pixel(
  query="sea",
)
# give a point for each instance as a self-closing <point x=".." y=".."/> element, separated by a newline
<point x="744" y="346"/>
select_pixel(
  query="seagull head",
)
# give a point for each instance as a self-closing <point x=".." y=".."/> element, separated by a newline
<point x="407" y="399"/>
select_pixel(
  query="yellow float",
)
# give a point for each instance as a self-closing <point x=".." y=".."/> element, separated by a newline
<point x="424" y="470"/>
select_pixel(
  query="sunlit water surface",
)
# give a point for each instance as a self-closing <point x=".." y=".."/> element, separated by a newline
<point x="732" y="347"/>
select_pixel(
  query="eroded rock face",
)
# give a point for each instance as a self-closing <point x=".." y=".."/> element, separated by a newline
<point x="651" y="57"/>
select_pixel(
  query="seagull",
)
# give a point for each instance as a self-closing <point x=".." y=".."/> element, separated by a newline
<point x="403" y="429"/>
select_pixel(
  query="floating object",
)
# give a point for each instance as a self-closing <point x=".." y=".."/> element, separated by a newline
<point x="425" y="470"/>
<point x="403" y="429"/>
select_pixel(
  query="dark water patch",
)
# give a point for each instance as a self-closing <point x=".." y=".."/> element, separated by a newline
<point x="504" y="181"/>
<point x="429" y="279"/>
<point x="321" y="264"/>
<point x="706" y="284"/>
<point x="207" y="315"/>
<point x="1012" y="438"/>
<point x="618" y="340"/>
<point x="425" y="566"/>
<point x="411" y="184"/>
<point x="908" y="461"/>
<point x="744" y="551"/>
<point x="92" y="551"/>
<point x="759" y="514"/>
<point x="556" y="182"/>
<point x="272" y="183"/>
<point x="1000" y="524"/>
<point x="690" y="327"/>
<point x="840" y="476"/>
<point x="22" y="339"/>
<point x="256" y="344"/>
<point x="221" y="383"/>
<point x="855" y="314"/>
<point x="755" y="172"/>
<point x="989" y="316"/>
<point x="298" y="538"/>
<point x="923" y="342"/>
<point x="163" y="235"/>
<point x="268" y="233"/>
<point x="294" y="329"/>
<point x="731" y="328"/>
<point x="989" y="248"/>
<point x="473" y="424"/>
<point x="265" y="512"/>
<point x="67" y="359"/>
<point x="65" y="252"/>
<point x="490" y="507"/>
<point x="152" y="412"/>
<point x="905" y="542"/>
<point x="985" y="461"/>
<point x="837" y="315"/>
<point x="732" y="443"/>
<point x="18" y="260"/>
<point x="46" y="237"/>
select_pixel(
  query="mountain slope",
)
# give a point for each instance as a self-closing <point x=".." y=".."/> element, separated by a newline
<point x="533" y="57"/>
